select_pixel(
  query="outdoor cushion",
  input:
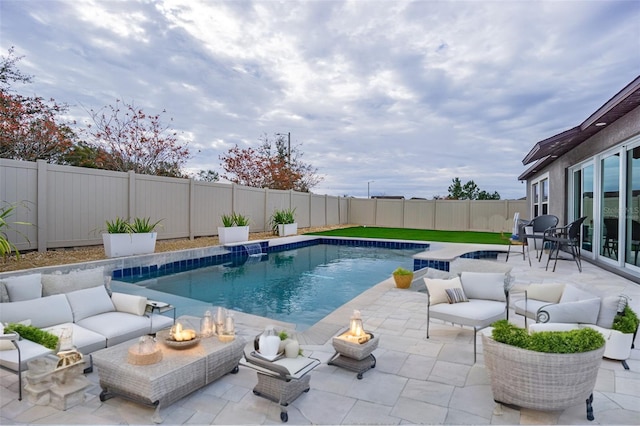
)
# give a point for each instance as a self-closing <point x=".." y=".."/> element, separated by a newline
<point x="130" y="303"/>
<point x="484" y="285"/>
<point x="475" y="313"/>
<point x="57" y="283"/>
<point x="573" y="294"/>
<point x="118" y="327"/>
<point x="581" y="311"/>
<point x="85" y="340"/>
<point x="529" y="307"/>
<point x="89" y="302"/>
<point x="548" y="292"/>
<point x="608" y="311"/>
<point x="436" y="289"/>
<point x="43" y="312"/>
<point x="28" y="350"/>
<point x="23" y="287"/>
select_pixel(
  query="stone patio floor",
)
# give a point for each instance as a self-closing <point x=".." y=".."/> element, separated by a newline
<point x="415" y="380"/>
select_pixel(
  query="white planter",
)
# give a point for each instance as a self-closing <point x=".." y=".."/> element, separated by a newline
<point x="233" y="234"/>
<point x="287" y="229"/>
<point x="118" y="245"/>
<point x="618" y="345"/>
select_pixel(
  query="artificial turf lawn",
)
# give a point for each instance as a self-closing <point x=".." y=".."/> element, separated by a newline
<point x="418" y="234"/>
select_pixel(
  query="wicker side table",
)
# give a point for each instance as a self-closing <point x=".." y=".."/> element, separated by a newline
<point x="280" y="381"/>
<point x="356" y="357"/>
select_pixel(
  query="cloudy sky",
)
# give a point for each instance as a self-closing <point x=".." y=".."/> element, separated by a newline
<point x="396" y="96"/>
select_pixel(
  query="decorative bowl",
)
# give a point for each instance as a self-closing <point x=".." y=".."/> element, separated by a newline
<point x="163" y="336"/>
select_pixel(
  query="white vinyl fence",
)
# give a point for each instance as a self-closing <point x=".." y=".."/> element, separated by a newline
<point x="68" y="206"/>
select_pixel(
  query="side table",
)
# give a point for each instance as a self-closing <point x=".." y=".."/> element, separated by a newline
<point x="153" y="306"/>
<point x="354" y="356"/>
<point x="282" y="380"/>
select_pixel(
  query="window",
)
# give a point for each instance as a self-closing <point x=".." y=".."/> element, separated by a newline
<point x="540" y="196"/>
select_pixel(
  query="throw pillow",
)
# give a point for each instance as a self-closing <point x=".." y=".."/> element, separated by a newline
<point x="129" y="303"/>
<point x="608" y="311"/>
<point x="456" y="295"/>
<point x="58" y="283"/>
<point x="437" y="289"/>
<point x="580" y="311"/>
<point x="24" y="287"/>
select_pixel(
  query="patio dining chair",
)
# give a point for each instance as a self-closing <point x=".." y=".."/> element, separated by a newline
<point x="565" y="236"/>
<point x="539" y="225"/>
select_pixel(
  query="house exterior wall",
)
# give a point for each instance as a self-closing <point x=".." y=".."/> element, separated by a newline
<point x="614" y="134"/>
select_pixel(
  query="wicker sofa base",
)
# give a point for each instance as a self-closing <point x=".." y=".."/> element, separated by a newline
<point x="281" y="391"/>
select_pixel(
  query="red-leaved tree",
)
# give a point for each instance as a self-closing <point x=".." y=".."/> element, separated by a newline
<point x="273" y="165"/>
<point x="30" y="127"/>
<point x="135" y="141"/>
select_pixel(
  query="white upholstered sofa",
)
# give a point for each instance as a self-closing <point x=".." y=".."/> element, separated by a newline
<point x="79" y="300"/>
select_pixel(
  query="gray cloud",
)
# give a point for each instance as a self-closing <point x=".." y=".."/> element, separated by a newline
<point x="406" y="94"/>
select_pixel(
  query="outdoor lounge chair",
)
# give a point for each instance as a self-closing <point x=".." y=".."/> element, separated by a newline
<point x="474" y="299"/>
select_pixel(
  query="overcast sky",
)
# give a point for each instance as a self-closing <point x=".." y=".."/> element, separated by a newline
<point x="404" y="95"/>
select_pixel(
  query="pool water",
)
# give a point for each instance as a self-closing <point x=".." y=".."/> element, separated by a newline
<point x="299" y="286"/>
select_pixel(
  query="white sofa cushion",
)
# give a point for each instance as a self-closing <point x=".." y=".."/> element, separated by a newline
<point x="484" y="285"/>
<point x="580" y="311"/>
<point x="436" y="289"/>
<point x="548" y="292"/>
<point x="23" y="287"/>
<point x="4" y="295"/>
<point x="85" y="340"/>
<point x="573" y="294"/>
<point x="89" y="302"/>
<point x="43" y="312"/>
<point x="118" y="327"/>
<point x="476" y="313"/>
<point x="136" y="305"/>
<point x="28" y="350"/>
<point x="529" y="307"/>
<point x="57" y="283"/>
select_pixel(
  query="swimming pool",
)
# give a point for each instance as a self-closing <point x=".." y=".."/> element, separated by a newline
<point x="300" y="286"/>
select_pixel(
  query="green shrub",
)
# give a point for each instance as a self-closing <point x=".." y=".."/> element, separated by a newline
<point x="143" y="225"/>
<point x="282" y="217"/>
<point x="118" y="226"/>
<point x="6" y="246"/>
<point x="234" y="219"/>
<point x="559" y="342"/>
<point x="44" y="338"/>
<point x="402" y="271"/>
<point x="627" y="321"/>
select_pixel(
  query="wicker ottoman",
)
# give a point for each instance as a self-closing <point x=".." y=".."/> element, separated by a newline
<point x="356" y="357"/>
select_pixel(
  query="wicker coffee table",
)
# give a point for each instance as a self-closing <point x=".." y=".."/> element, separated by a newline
<point x="280" y="381"/>
<point x="180" y="372"/>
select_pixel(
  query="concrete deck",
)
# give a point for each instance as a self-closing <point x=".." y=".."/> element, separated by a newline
<point x="415" y="381"/>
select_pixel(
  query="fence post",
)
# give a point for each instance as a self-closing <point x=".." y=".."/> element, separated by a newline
<point x="41" y="213"/>
<point x="132" y="195"/>
<point x="192" y="209"/>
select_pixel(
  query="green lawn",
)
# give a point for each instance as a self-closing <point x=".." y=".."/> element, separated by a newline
<point x="418" y="234"/>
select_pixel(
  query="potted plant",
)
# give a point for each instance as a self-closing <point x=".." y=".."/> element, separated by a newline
<point x="235" y="228"/>
<point x="124" y="238"/>
<point x="403" y="277"/>
<point x="619" y="346"/>
<point x="547" y="370"/>
<point x="283" y="222"/>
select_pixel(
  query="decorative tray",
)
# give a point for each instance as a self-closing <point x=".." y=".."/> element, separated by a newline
<point x="163" y="336"/>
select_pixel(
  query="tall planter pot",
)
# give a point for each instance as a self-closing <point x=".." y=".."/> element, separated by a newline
<point x="118" y="245"/>
<point x="287" y="229"/>
<point x="233" y="234"/>
<point x="540" y="381"/>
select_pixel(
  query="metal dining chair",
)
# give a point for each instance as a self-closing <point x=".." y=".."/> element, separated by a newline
<point x="540" y="224"/>
<point x="568" y="236"/>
